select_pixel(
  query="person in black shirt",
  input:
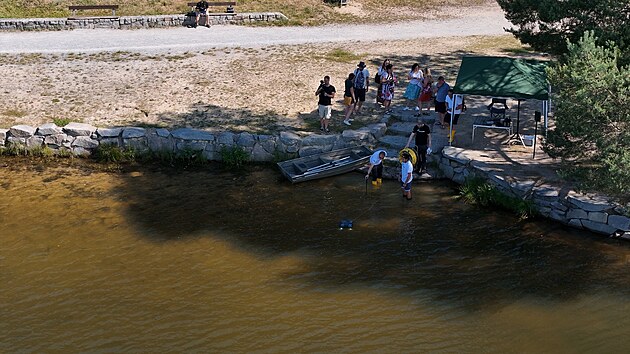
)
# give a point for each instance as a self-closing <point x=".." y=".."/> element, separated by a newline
<point x="349" y="99"/>
<point x="326" y="93"/>
<point x="202" y="9"/>
<point x="422" y="134"/>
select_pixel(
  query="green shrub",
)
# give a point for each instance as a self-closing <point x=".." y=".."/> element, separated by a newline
<point x="189" y="158"/>
<point x="15" y="149"/>
<point x="61" y="122"/>
<point x="185" y="159"/>
<point x="478" y="191"/>
<point x="234" y="156"/>
<point x="41" y="151"/>
<point x="112" y="153"/>
<point x="64" y="152"/>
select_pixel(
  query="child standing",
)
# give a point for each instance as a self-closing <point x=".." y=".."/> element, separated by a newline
<point x="406" y="175"/>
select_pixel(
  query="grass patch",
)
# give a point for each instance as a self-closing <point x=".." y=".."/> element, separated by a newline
<point x="343" y="56"/>
<point x="41" y="151"/>
<point x="479" y="191"/>
<point x="112" y="153"/>
<point x="185" y="159"/>
<point x="234" y="157"/>
<point x="16" y="113"/>
<point x="505" y="44"/>
<point x="61" y="122"/>
<point x="15" y="149"/>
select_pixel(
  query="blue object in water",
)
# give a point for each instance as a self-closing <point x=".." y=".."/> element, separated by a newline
<point x="345" y="224"/>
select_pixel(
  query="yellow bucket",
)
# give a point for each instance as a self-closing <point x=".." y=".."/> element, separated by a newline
<point x="411" y="152"/>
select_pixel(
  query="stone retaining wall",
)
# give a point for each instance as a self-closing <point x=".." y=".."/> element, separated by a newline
<point x="592" y="212"/>
<point x="131" y="22"/>
<point x="81" y="139"/>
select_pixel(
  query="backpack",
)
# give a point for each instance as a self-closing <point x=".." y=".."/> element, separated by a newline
<point x="377" y="78"/>
<point x="359" y="79"/>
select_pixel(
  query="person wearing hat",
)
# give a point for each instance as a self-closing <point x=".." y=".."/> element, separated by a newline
<point x="361" y="84"/>
<point x="406" y="175"/>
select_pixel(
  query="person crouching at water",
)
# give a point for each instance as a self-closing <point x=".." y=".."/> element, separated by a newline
<point x="376" y="167"/>
<point x="406" y="175"/>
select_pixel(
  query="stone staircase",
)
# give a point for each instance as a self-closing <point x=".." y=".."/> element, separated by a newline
<point x="400" y="123"/>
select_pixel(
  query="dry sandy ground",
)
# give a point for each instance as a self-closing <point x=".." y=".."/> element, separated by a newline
<point x="255" y="89"/>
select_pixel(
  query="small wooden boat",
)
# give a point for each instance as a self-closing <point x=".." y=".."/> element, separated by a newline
<point x="326" y="164"/>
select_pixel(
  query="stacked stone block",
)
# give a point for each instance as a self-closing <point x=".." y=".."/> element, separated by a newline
<point x="592" y="212"/>
<point x="131" y="22"/>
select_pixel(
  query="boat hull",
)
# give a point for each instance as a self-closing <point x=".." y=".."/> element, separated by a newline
<point x="325" y="164"/>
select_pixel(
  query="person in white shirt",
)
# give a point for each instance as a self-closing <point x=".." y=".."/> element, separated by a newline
<point x="453" y="110"/>
<point x="406" y="175"/>
<point x="412" y="92"/>
<point x="376" y="167"/>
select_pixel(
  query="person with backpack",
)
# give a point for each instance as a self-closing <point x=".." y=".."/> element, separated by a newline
<point x="361" y="84"/>
<point x="202" y="9"/>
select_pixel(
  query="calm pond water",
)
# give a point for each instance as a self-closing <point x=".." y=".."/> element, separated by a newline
<point x="155" y="261"/>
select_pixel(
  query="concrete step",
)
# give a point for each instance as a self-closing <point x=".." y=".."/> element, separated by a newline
<point x="393" y="141"/>
<point x="401" y="128"/>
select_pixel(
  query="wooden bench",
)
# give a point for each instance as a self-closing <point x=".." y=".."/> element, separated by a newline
<point x="229" y="6"/>
<point x="75" y="8"/>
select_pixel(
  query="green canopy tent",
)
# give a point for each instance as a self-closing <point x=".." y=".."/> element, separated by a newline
<point x="505" y="78"/>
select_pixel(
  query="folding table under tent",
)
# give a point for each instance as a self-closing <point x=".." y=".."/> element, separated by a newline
<point x="505" y="77"/>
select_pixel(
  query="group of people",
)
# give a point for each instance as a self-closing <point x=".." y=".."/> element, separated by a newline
<point x="421" y="90"/>
<point x="375" y="170"/>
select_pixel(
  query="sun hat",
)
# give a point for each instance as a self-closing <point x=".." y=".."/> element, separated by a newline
<point x="361" y="64"/>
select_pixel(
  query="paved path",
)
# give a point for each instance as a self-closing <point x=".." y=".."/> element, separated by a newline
<point x="489" y="21"/>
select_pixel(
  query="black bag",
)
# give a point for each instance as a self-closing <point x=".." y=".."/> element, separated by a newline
<point x="377" y="78"/>
<point x="191" y="14"/>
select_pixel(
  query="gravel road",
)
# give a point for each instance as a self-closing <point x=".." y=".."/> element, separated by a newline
<point x="471" y="21"/>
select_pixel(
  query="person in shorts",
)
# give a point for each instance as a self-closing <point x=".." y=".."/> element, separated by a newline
<point x="326" y="93"/>
<point x="349" y="99"/>
<point x="361" y="84"/>
<point x="441" y="90"/>
<point x="406" y="175"/>
<point x="202" y="9"/>
<point x="453" y="110"/>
